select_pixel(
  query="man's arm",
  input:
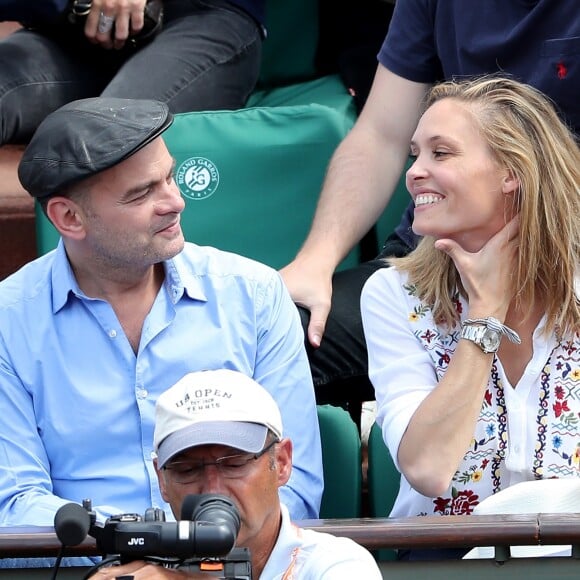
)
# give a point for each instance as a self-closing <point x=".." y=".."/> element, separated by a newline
<point x="362" y="175"/>
<point x="282" y="368"/>
<point x="26" y="488"/>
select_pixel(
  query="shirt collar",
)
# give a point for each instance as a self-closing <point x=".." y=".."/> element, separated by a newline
<point x="288" y="541"/>
<point x="62" y="279"/>
<point x="179" y="280"/>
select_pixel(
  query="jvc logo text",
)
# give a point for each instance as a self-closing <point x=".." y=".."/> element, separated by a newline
<point x="136" y="542"/>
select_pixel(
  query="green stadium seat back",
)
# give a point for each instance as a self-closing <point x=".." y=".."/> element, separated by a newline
<point x="289" y="50"/>
<point x="251" y="178"/>
<point x="382" y="483"/>
<point x="341" y="459"/>
<point x="46" y="235"/>
<point x="328" y="90"/>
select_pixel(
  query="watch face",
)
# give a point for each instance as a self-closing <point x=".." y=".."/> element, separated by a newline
<point x="490" y="340"/>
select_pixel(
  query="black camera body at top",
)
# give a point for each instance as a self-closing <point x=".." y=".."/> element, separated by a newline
<point x="202" y="540"/>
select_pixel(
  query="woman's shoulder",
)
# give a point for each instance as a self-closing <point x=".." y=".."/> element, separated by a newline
<point x="385" y="280"/>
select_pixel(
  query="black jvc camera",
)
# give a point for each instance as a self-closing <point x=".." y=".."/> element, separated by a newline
<point x="202" y="540"/>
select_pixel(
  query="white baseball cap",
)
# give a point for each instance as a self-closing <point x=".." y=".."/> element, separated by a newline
<point x="217" y="407"/>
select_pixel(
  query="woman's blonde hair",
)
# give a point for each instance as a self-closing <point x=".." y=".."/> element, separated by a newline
<point x="525" y="136"/>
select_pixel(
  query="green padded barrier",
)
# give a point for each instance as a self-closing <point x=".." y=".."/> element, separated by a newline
<point x="289" y="50"/>
<point x="328" y="90"/>
<point x="382" y="483"/>
<point x="341" y="460"/>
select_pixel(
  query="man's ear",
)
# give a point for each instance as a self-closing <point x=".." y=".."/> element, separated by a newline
<point x="66" y="216"/>
<point x="510" y="183"/>
<point x="284" y="460"/>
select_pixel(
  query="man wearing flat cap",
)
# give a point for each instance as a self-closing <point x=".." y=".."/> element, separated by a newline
<point x="92" y="332"/>
<point x="220" y="432"/>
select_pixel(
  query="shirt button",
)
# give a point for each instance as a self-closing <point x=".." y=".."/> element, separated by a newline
<point x="142" y="393"/>
<point x="517" y="448"/>
<point x="112" y="333"/>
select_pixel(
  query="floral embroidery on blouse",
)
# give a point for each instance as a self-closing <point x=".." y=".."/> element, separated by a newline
<point x="557" y="449"/>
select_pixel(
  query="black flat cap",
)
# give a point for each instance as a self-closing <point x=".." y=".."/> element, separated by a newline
<point x="87" y="136"/>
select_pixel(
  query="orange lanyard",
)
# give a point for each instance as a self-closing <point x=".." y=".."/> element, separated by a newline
<point x="289" y="574"/>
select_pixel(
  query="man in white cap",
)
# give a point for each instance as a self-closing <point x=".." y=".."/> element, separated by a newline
<point x="220" y="432"/>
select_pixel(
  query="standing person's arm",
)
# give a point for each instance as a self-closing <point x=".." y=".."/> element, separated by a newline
<point x="362" y="175"/>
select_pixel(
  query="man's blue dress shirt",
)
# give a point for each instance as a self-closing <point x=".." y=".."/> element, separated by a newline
<point x="77" y="405"/>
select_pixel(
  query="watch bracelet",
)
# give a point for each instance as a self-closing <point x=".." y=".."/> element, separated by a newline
<point x="494" y="324"/>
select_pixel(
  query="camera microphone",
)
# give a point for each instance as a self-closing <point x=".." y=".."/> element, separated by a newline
<point x="71" y="524"/>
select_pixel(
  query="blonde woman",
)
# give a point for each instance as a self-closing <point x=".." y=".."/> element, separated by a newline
<point x="473" y="338"/>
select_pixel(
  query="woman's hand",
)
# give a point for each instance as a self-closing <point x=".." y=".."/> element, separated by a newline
<point x="487" y="274"/>
<point x="111" y="22"/>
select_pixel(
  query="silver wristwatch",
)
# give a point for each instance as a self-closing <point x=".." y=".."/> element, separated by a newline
<point x="487" y="333"/>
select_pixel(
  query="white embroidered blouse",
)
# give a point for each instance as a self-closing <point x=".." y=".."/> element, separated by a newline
<point x="524" y="433"/>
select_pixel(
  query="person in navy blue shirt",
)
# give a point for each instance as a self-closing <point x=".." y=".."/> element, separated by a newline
<point x="535" y="41"/>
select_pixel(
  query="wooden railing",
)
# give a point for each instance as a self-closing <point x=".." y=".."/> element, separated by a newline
<point x="456" y="531"/>
<point x="499" y="531"/>
<point x="373" y="533"/>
